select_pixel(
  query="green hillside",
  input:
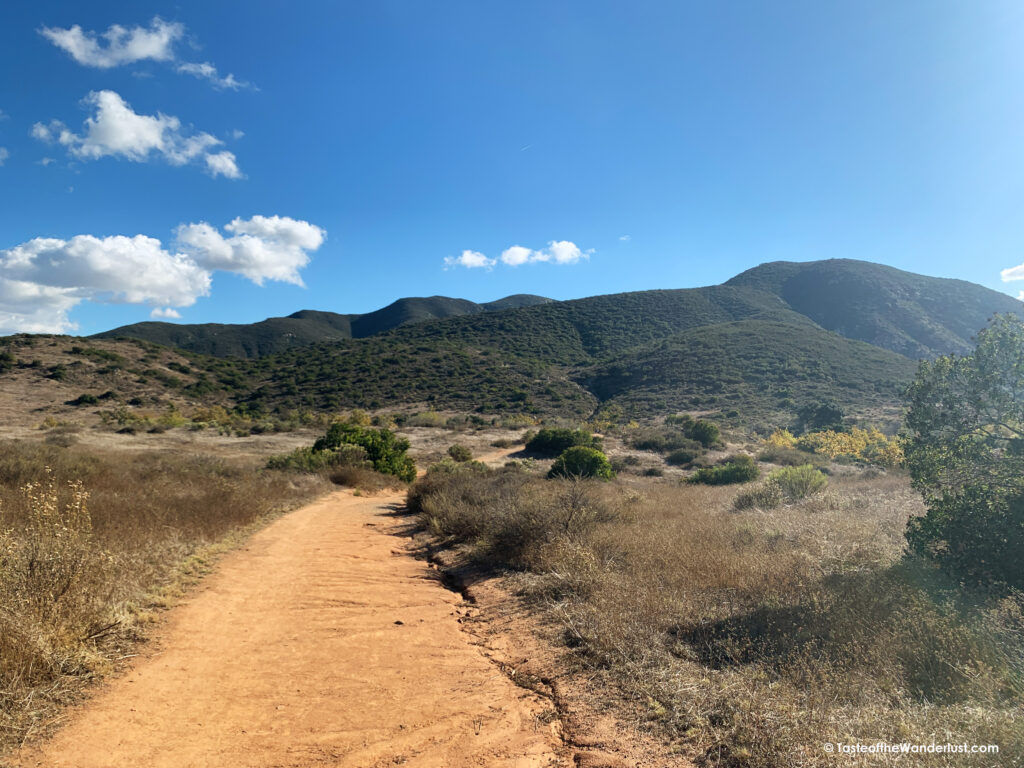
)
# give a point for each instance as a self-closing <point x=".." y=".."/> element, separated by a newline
<point x="763" y="369"/>
<point x="308" y="326"/>
<point x="914" y="315"/>
<point x="761" y="346"/>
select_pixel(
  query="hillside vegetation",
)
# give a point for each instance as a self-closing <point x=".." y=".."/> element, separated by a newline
<point x="307" y="326"/>
<point x="758" y="349"/>
<point x="914" y="315"/>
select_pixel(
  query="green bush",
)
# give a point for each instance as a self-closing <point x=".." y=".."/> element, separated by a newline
<point x="581" y="461"/>
<point x="704" y="432"/>
<point x="737" y="469"/>
<point x="799" y="482"/>
<point x="681" y="457"/>
<point x="384" y="449"/>
<point x="311" y="460"/>
<point x="965" y="454"/>
<point x="460" y="452"/>
<point x="554" y="442"/>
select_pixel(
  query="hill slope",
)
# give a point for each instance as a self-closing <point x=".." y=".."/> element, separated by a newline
<point x="755" y="346"/>
<point x="307" y="326"/>
<point x="914" y="315"/>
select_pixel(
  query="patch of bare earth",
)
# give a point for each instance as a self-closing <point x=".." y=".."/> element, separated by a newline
<point x="322" y="642"/>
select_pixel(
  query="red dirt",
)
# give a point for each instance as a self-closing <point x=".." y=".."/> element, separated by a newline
<point x="321" y="643"/>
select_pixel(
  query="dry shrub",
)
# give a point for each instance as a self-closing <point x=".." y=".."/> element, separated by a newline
<point x="751" y="640"/>
<point x="88" y="541"/>
<point x="364" y="479"/>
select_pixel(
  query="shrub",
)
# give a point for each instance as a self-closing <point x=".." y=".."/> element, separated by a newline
<point x="681" y="457"/>
<point x="310" y="460"/>
<point x="460" y="453"/>
<point x="554" y="442"/>
<point x="704" y="432"/>
<point x="654" y="472"/>
<point x="799" y="482"/>
<point x="737" y="469"/>
<point x="766" y="495"/>
<point x="85" y="399"/>
<point x="384" y="449"/>
<point x="790" y="457"/>
<point x="506" y="517"/>
<point x="581" y="461"/>
<point x="965" y="454"/>
<point x="363" y="478"/>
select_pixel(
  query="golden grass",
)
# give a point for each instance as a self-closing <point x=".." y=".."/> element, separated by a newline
<point x="751" y="638"/>
<point x="91" y="545"/>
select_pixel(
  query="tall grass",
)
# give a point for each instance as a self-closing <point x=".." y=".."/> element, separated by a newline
<point x="752" y="638"/>
<point x="90" y="543"/>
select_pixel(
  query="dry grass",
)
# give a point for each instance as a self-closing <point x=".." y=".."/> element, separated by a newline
<point x="365" y="480"/>
<point x="91" y="543"/>
<point x="751" y="638"/>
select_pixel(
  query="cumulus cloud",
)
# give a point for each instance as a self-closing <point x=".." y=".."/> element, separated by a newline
<point x="116" y="130"/>
<point x="165" y="313"/>
<point x="1013" y="273"/>
<point x="206" y="71"/>
<point x="262" y="248"/>
<point x="468" y="259"/>
<point x="516" y="255"/>
<point x="222" y="164"/>
<point x="42" y="280"/>
<point x="557" y="252"/>
<point x="118" y="45"/>
<point x="4" y="154"/>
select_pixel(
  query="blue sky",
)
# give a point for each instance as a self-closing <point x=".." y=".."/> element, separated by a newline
<point x="621" y="146"/>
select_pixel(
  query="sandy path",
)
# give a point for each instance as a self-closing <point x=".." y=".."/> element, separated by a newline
<point x="321" y="643"/>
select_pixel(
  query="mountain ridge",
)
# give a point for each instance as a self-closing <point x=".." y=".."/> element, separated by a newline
<point x="307" y="326"/>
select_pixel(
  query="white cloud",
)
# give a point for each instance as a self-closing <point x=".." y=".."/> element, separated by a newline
<point x="558" y="252"/>
<point x="162" y="313"/>
<point x="516" y="255"/>
<point x="262" y="248"/>
<point x="1013" y="273"/>
<point x="42" y="280"/>
<point x="116" y="130"/>
<point x="4" y="116"/>
<point x="45" y="161"/>
<point x="117" y="45"/>
<point x="468" y="259"/>
<point x="206" y="71"/>
<point x="223" y="164"/>
<point x="4" y="154"/>
<point x="563" y="252"/>
<point x="625" y="238"/>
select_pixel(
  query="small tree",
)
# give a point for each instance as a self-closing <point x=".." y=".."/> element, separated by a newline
<point x="965" y="453"/>
<point x="582" y="461"/>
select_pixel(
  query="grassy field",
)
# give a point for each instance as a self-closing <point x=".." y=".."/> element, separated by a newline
<point x="93" y="543"/>
<point x="749" y="638"/>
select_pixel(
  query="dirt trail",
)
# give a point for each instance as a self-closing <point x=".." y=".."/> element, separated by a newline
<point x="321" y="643"/>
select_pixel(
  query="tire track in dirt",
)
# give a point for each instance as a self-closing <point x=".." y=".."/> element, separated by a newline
<point x="321" y="643"/>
